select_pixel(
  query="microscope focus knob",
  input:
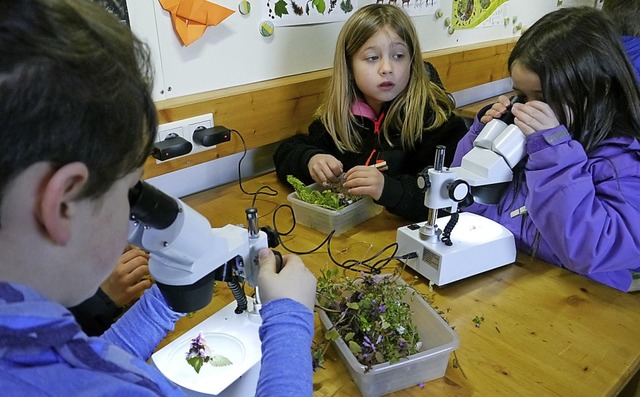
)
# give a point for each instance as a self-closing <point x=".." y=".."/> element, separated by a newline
<point x="423" y="180"/>
<point x="458" y="190"/>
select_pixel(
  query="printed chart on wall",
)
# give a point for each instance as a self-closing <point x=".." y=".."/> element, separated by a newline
<point x="469" y="14"/>
<point x="580" y="3"/>
<point x="305" y="12"/>
<point x="416" y="7"/>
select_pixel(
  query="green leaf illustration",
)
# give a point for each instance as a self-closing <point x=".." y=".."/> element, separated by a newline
<point x="319" y="5"/>
<point x="280" y="8"/>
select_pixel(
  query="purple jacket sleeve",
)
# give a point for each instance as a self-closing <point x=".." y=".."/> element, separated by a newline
<point x="144" y="325"/>
<point x="286" y="334"/>
<point x="586" y="207"/>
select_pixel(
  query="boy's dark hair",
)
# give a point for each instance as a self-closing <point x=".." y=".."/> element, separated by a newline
<point x="74" y="86"/>
<point x="584" y="72"/>
<point x="625" y="15"/>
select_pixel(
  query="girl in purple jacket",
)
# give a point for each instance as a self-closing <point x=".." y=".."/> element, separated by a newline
<point x="575" y="197"/>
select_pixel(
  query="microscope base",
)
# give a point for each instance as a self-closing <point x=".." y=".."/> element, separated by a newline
<point x="479" y="245"/>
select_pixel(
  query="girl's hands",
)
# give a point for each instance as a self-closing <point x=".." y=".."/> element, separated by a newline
<point x="325" y="168"/>
<point x="497" y="110"/>
<point x="363" y="180"/>
<point x="530" y="117"/>
<point x="534" y="116"/>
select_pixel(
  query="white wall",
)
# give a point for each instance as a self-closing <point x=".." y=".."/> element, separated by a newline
<point x="234" y="53"/>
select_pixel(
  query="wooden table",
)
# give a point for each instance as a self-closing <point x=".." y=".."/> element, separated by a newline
<point x="546" y="331"/>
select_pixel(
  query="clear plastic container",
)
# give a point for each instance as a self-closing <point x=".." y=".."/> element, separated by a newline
<point x="439" y="340"/>
<point x="326" y="220"/>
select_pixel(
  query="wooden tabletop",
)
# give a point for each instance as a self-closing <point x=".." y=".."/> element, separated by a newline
<point x="469" y="111"/>
<point x="546" y="331"/>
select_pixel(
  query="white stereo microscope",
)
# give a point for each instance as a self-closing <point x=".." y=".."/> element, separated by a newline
<point x="186" y="256"/>
<point x="469" y="244"/>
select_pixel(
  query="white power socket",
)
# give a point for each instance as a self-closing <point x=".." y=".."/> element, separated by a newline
<point x="185" y="128"/>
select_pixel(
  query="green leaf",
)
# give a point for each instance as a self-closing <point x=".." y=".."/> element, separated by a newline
<point x="349" y="336"/>
<point x="353" y="305"/>
<point x="332" y="335"/>
<point x="219" y="361"/>
<point x="196" y="363"/>
<point x="354" y="347"/>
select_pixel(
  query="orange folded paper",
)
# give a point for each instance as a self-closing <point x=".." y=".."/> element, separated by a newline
<point x="191" y="17"/>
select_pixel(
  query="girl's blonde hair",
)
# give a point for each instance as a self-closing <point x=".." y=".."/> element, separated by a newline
<point x="406" y="111"/>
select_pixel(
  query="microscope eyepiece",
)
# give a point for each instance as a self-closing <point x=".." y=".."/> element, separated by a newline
<point x="508" y="116"/>
<point x="151" y="206"/>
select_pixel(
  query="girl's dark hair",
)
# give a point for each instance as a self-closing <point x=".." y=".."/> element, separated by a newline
<point x="75" y="86"/>
<point x="585" y="75"/>
<point x="625" y="15"/>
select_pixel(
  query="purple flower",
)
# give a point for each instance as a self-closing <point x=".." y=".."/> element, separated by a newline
<point x="382" y="308"/>
<point x="367" y="343"/>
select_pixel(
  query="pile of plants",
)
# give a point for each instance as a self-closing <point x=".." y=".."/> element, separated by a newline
<point x="371" y="314"/>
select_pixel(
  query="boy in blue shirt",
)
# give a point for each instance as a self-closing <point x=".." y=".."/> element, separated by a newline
<point x="77" y="123"/>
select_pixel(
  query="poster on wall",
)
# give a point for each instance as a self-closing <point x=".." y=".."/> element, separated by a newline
<point x="467" y="14"/>
<point x="415" y="7"/>
<point x="580" y="3"/>
<point x="305" y="12"/>
<point x="116" y="7"/>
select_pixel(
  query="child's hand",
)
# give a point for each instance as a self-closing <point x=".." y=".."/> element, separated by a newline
<point x="295" y="281"/>
<point x="497" y="110"/>
<point x="534" y="116"/>
<point x="325" y="168"/>
<point x="362" y="180"/>
<point x="129" y="279"/>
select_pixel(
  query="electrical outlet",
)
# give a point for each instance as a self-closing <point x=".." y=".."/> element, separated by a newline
<point x="165" y="130"/>
<point x="185" y="128"/>
<point x="194" y="123"/>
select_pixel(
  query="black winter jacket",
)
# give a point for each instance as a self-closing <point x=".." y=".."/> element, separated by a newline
<point x="400" y="195"/>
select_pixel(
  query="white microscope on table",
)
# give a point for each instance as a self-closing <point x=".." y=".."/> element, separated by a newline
<point x="186" y="256"/>
<point x="469" y="244"/>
